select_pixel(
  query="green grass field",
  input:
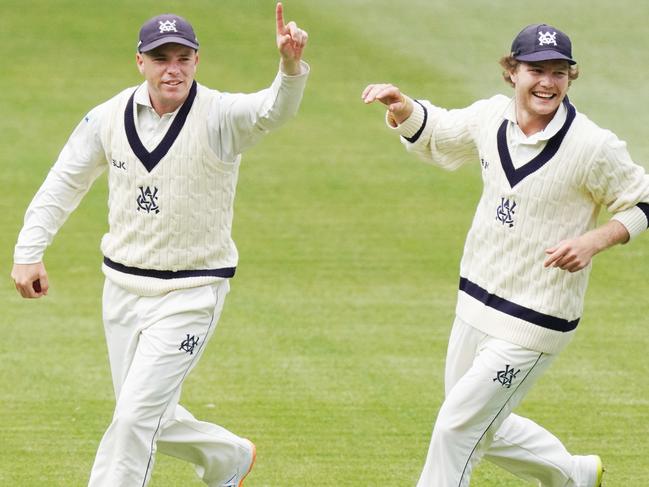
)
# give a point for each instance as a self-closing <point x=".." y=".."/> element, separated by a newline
<point x="330" y="351"/>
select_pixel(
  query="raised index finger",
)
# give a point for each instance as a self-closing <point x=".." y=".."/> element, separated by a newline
<point x="279" y="16"/>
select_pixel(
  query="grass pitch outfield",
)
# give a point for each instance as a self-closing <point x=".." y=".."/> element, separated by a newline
<point x="329" y="354"/>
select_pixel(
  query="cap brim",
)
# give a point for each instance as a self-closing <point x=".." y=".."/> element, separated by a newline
<point x="548" y="55"/>
<point x="167" y="40"/>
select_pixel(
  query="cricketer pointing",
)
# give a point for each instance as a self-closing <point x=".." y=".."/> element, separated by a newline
<point x="172" y="149"/>
<point x="547" y="170"/>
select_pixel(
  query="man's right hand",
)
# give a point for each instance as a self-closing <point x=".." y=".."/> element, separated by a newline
<point x="30" y="279"/>
<point x="399" y="106"/>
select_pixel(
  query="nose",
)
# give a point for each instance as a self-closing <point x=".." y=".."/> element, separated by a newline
<point x="173" y="67"/>
<point x="547" y="80"/>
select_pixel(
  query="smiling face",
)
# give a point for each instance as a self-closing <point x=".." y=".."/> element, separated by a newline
<point x="169" y="71"/>
<point x="539" y="89"/>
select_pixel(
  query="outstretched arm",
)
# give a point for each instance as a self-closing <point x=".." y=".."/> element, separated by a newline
<point x="400" y="107"/>
<point x="574" y="254"/>
<point x="291" y="41"/>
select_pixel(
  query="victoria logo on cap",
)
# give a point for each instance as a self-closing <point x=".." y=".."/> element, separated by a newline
<point x="167" y="26"/>
<point x="547" y="38"/>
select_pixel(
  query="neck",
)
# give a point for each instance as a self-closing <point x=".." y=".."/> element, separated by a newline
<point x="162" y="108"/>
<point x="530" y="124"/>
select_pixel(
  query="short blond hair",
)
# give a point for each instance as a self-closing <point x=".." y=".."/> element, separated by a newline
<point x="510" y="64"/>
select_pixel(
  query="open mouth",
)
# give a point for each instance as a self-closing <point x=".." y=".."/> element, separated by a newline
<point x="544" y="96"/>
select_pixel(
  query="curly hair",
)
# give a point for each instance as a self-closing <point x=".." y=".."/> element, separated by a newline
<point x="509" y="64"/>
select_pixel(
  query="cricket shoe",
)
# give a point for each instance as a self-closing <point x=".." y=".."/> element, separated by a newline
<point x="244" y="468"/>
<point x="600" y="471"/>
<point x="595" y="474"/>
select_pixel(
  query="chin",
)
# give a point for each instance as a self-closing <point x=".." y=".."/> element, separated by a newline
<point x="547" y="109"/>
<point x="176" y="94"/>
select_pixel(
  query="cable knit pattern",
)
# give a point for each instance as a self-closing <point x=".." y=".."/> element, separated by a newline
<point x="188" y="226"/>
<point x="512" y="226"/>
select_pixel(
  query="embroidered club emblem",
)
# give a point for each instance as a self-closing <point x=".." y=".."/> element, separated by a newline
<point x="507" y="376"/>
<point x="147" y="200"/>
<point x="167" y="26"/>
<point x="505" y="212"/>
<point x="547" y="38"/>
<point x="189" y="343"/>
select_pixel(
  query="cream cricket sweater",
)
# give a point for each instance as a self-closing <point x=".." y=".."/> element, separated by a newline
<point x="504" y="289"/>
<point x="170" y="210"/>
<point x="171" y="192"/>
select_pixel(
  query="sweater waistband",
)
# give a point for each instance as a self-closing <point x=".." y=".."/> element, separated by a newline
<point x="516" y="310"/>
<point x="224" y="272"/>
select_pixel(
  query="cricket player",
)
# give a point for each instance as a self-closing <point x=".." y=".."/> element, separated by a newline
<point x="172" y="149"/>
<point x="547" y="170"/>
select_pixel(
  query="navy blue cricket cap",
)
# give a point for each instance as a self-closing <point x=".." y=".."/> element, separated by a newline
<point x="165" y="29"/>
<point x="542" y="42"/>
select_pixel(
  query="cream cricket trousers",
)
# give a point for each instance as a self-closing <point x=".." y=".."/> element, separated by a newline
<point x="486" y="378"/>
<point x="153" y="344"/>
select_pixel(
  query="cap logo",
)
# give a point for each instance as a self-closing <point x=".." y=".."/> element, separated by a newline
<point x="547" y="38"/>
<point x="169" y="26"/>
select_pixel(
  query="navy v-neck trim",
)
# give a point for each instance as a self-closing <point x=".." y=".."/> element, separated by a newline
<point x="514" y="175"/>
<point x="150" y="159"/>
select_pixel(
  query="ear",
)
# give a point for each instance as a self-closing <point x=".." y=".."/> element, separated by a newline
<point x="139" y="60"/>
<point x="513" y="74"/>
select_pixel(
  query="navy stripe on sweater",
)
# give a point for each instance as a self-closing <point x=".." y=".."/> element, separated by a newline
<point x="516" y="310"/>
<point x="225" y="272"/>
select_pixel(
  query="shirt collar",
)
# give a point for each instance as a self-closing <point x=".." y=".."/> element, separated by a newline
<point x="550" y="130"/>
<point x="142" y="95"/>
<point x="142" y="99"/>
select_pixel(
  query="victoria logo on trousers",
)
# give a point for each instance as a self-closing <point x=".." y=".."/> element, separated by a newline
<point x="189" y="343"/>
<point x="506" y="377"/>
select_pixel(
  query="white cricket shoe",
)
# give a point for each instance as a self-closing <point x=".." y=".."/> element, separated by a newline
<point x="244" y="468"/>
<point x="590" y="470"/>
<point x="596" y="473"/>
<point x="600" y="471"/>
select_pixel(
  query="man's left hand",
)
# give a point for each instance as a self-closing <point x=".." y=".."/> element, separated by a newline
<point x="574" y="254"/>
<point x="291" y="41"/>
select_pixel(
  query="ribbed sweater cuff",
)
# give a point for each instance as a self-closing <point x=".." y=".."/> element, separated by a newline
<point x="634" y="220"/>
<point x="411" y="125"/>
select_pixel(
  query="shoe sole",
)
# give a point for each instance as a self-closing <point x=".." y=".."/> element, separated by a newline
<point x="252" y="462"/>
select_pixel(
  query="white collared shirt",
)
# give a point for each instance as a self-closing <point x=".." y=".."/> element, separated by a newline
<point x="522" y="148"/>
<point x="151" y="127"/>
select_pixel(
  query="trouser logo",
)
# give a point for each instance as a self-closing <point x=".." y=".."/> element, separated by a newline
<point x="189" y="343"/>
<point x="507" y="376"/>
